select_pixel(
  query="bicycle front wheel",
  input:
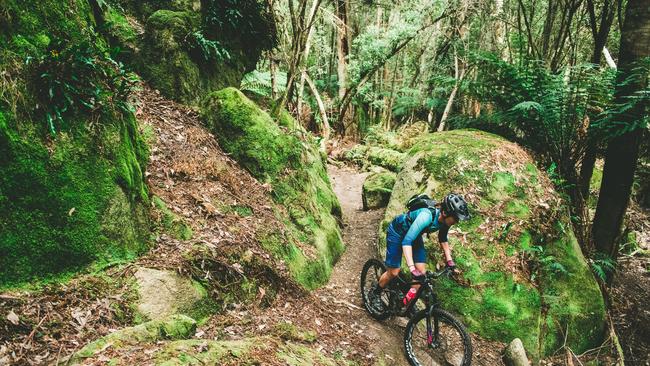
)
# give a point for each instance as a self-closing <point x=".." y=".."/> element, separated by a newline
<point x="444" y="341"/>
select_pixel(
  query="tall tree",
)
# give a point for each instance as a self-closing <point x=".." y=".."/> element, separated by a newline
<point x="600" y="31"/>
<point x="622" y="150"/>
<point x="342" y="43"/>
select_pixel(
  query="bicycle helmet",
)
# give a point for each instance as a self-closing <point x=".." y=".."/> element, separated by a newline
<point x="455" y="205"/>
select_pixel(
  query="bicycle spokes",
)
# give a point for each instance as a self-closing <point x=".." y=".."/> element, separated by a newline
<point x="441" y="345"/>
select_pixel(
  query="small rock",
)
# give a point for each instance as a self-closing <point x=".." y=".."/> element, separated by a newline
<point x="515" y="354"/>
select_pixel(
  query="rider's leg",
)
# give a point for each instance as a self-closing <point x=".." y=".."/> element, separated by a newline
<point x="422" y="267"/>
<point x="420" y="258"/>
<point x="393" y="260"/>
<point x="388" y="276"/>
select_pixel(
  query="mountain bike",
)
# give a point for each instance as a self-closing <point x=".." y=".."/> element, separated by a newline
<point x="433" y="336"/>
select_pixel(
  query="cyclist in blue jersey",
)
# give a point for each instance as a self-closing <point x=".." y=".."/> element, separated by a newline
<point x="404" y="236"/>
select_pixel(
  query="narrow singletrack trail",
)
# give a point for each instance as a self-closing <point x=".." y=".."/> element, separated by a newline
<point x="360" y="237"/>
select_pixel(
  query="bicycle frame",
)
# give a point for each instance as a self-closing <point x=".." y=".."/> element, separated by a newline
<point x="430" y="299"/>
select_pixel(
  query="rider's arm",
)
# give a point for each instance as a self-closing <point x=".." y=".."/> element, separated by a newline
<point x="444" y="242"/>
<point x="423" y="220"/>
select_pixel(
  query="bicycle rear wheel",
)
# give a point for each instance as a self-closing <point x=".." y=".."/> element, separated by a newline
<point x="372" y="271"/>
<point x="452" y="346"/>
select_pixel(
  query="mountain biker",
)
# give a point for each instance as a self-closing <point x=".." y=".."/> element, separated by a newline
<point x="404" y="235"/>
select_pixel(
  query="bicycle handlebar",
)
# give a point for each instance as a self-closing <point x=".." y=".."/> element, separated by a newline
<point x="433" y="275"/>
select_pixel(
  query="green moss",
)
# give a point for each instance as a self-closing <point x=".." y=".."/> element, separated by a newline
<point x="174" y="327"/>
<point x="70" y="204"/>
<point x="185" y="352"/>
<point x="291" y="332"/>
<point x="250" y="134"/>
<point x="298" y="355"/>
<point x="501" y="302"/>
<point x="164" y="61"/>
<point x="594" y="186"/>
<point x="32" y="24"/>
<point x="386" y="158"/>
<point x="169" y="64"/>
<point x="121" y="33"/>
<point x="291" y="163"/>
<point x="575" y="304"/>
<point x="376" y="189"/>
<point x="171" y="223"/>
<point x="310" y="273"/>
<point x="517" y="208"/>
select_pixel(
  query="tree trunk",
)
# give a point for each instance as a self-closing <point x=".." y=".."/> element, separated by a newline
<point x="326" y="130"/>
<point x="301" y="85"/>
<point x="600" y="38"/>
<point x="459" y="74"/>
<point x="622" y="151"/>
<point x="342" y="50"/>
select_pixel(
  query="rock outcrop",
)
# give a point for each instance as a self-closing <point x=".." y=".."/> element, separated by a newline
<point x="523" y="272"/>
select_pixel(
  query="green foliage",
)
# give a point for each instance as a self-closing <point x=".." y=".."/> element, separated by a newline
<point x="603" y="266"/>
<point x="260" y="83"/>
<point x="72" y="78"/>
<point x="209" y="50"/>
<point x="543" y="110"/>
<point x="613" y="121"/>
<point x="249" y="21"/>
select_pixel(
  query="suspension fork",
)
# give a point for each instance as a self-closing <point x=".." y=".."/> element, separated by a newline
<point x="433" y="329"/>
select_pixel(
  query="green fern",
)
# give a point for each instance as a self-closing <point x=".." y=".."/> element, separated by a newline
<point x="603" y="265"/>
<point x="261" y="83"/>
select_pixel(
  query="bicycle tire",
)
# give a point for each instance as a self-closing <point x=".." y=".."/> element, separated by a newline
<point x="372" y="263"/>
<point x="447" y="318"/>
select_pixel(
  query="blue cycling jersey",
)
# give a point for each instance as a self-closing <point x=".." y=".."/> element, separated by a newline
<point x="415" y="223"/>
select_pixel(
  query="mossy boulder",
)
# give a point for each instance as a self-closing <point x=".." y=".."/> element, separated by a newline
<point x="170" y="328"/>
<point x="143" y="9"/>
<point x="523" y="272"/>
<point x="72" y="201"/>
<point x="171" y="63"/>
<point x="401" y="140"/>
<point x="286" y="157"/>
<point x="266" y="350"/>
<point x="366" y="156"/>
<point x="376" y="189"/>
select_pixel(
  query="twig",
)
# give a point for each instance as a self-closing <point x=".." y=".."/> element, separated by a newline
<point x="617" y="344"/>
<point x="31" y="334"/>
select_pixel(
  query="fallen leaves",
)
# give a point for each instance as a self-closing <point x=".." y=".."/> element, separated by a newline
<point x="13" y="318"/>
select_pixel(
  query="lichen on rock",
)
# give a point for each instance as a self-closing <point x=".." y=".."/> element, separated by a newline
<point x="165" y="293"/>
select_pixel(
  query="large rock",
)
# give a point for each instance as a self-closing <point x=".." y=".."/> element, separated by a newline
<point x="366" y="156"/>
<point x="285" y="156"/>
<point x="66" y="203"/>
<point x="165" y="293"/>
<point x="376" y="189"/>
<point x="524" y="271"/>
<point x="169" y="328"/>
<point x="167" y="63"/>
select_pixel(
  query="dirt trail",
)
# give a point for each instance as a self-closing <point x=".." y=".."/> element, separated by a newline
<point x="360" y="237"/>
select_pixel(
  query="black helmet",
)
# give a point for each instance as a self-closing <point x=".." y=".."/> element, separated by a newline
<point x="456" y="206"/>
